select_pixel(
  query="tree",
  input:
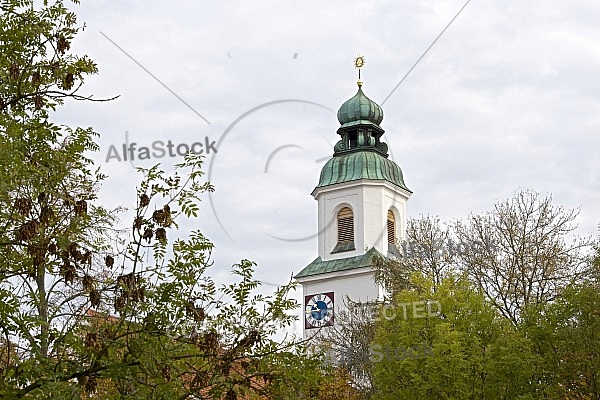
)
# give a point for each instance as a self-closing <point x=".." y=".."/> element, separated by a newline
<point x="518" y="254"/>
<point x="538" y="287"/>
<point x="425" y="250"/>
<point x="37" y="69"/>
<point x="82" y="316"/>
<point x="338" y="388"/>
<point x="533" y="260"/>
<point x="566" y="336"/>
<point x="50" y="228"/>
<point x="468" y="351"/>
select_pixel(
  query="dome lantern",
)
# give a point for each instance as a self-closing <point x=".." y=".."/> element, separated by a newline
<point x="359" y="129"/>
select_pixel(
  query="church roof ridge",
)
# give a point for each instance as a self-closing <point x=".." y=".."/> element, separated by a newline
<point x="318" y="266"/>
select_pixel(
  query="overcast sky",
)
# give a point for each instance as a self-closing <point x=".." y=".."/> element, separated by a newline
<point x="507" y="99"/>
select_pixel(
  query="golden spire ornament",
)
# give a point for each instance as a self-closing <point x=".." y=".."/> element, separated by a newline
<point x="359" y="61"/>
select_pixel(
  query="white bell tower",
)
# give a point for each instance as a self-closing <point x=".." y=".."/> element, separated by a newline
<point x="362" y="200"/>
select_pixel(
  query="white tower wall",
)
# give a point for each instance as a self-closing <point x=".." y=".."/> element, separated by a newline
<point x="370" y="202"/>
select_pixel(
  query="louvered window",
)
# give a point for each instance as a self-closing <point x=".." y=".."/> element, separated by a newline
<point x="345" y="225"/>
<point x="391" y="227"/>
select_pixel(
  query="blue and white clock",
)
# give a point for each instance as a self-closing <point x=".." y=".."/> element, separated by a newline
<point x="318" y="310"/>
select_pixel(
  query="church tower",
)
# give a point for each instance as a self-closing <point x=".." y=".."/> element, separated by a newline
<point x="361" y="199"/>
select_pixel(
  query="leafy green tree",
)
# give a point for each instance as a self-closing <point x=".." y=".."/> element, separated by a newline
<point x="524" y="327"/>
<point x="49" y="226"/>
<point x="468" y="351"/>
<point x="81" y="316"/>
<point x="338" y="388"/>
<point x="37" y="69"/>
<point x="566" y="336"/>
<point x="539" y="284"/>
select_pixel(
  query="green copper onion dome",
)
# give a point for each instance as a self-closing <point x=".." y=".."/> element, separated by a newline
<point x="360" y="110"/>
<point x="360" y="153"/>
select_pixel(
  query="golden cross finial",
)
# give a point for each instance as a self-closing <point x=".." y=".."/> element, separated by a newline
<point x="359" y="61"/>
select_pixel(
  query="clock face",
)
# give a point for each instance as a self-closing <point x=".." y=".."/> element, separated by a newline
<point x="318" y="310"/>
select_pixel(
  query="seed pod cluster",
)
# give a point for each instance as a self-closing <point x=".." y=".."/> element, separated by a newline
<point x="94" y="298"/>
<point x="144" y="200"/>
<point x="68" y="81"/>
<point x="67" y="271"/>
<point x="251" y="339"/>
<point x="161" y="235"/>
<point x="13" y="71"/>
<point x="130" y="288"/>
<point x="46" y="214"/>
<point x="197" y="313"/>
<point x="39" y="255"/>
<point x="74" y="251"/>
<point x="80" y="207"/>
<point x="27" y="231"/>
<point x="92" y="341"/>
<point x="53" y="249"/>
<point x="109" y="261"/>
<point x="36" y="77"/>
<point x="148" y="233"/>
<point x="38" y="101"/>
<point x="23" y="206"/>
<point x="209" y="342"/>
<point x="163" y="216"/>
<point x="88" y="283"/>
<point x="62" y="45"/>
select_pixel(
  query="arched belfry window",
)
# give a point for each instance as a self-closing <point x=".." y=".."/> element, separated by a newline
<point x="391" y="227"/>
<point x="391" y="234"/>
<point x="345" y="231"/>
<point x="345" y="222"/>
